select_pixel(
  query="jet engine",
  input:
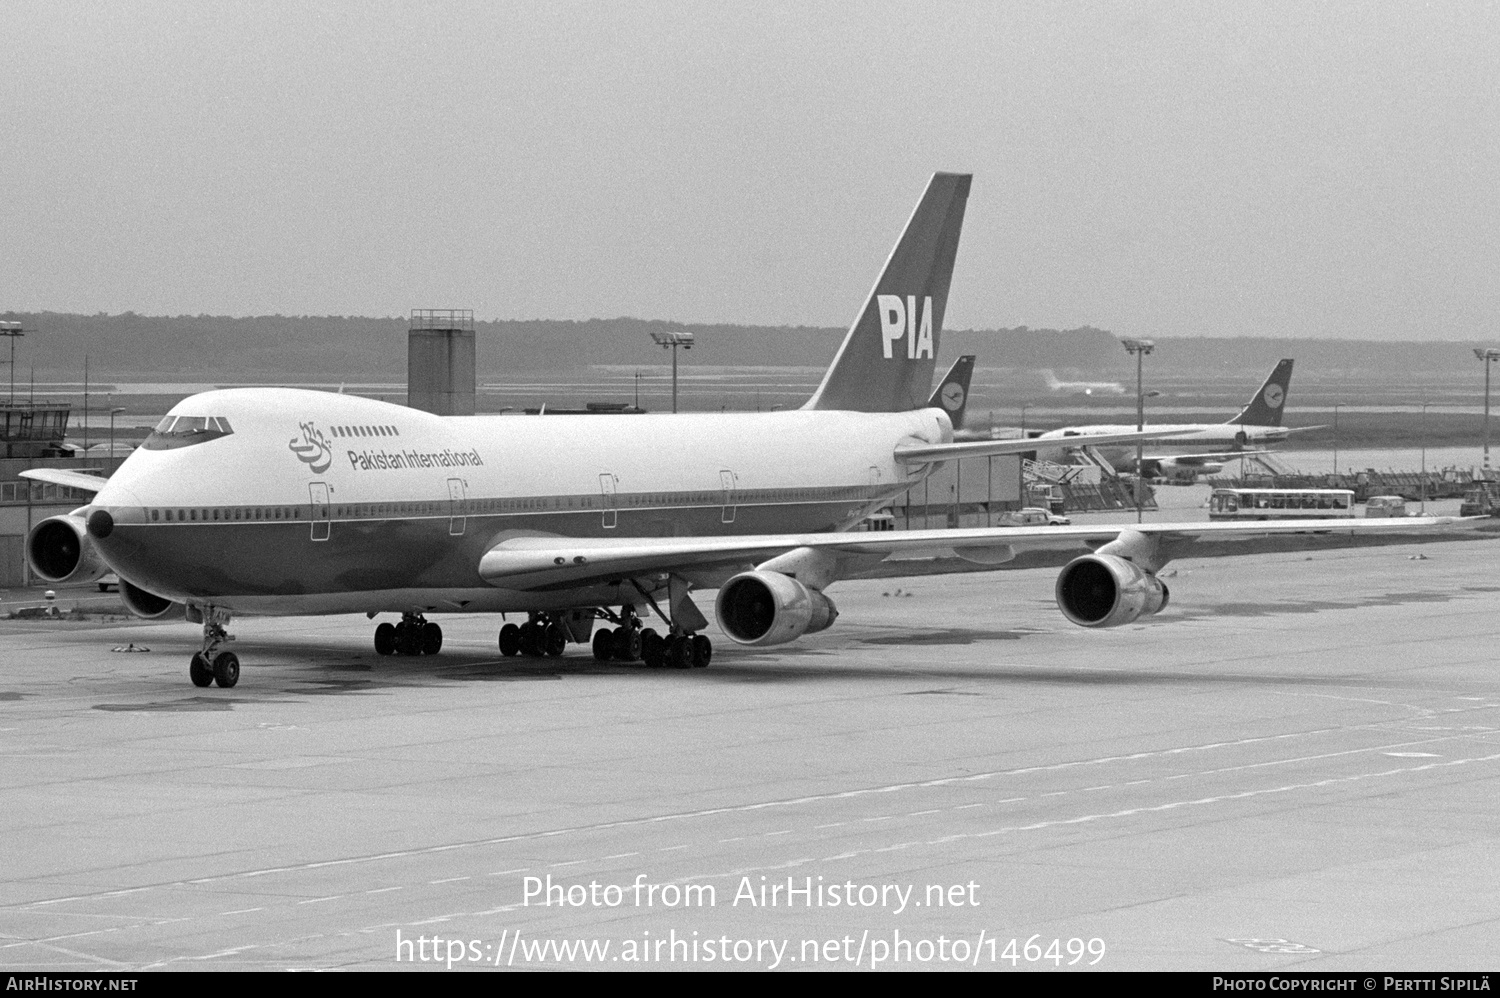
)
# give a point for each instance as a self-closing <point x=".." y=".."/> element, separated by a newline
<point x="143" y="604"/>
<point x="768" y="608"/>
<point x="1104" y="590"/>
<point x="59" y="550"/>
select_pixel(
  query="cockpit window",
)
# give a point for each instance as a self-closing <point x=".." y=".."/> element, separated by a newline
<point x="184" y="431"/>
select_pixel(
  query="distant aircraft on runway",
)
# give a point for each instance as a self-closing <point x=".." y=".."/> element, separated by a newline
<point x="1258" y="423"/>
<point x="284" y="501"/>
<point x="1082" y="387"/>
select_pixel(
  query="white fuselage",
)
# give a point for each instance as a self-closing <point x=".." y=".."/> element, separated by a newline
<point x="306" y="501"/>
<point x="1192" y="436"/>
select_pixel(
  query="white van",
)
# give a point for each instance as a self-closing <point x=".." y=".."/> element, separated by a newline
<point x="1384" y="506"/>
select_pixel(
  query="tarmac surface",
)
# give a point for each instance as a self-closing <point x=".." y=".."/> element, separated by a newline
<point x="1295" y="765"/>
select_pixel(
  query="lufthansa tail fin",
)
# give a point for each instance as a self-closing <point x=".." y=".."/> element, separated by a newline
<point x="952" y="395"/>
<point x="886" y="361"/>
<point x="1266" y="407"/>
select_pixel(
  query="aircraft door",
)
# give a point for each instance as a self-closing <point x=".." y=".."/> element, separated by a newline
<point x="607" y="498"/>
<point x="457" y="508"/>
<point x="320" y="511"/>
<point x="727" y="480"/>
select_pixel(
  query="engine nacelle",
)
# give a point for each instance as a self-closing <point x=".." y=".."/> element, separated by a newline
<point x="148" y="606"/>
<point x="768" y="608"/>
<point x="1104" y="590"/>
<point x="60" y="550"/>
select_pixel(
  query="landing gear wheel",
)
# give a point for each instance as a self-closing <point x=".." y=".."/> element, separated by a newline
<point x="703" y="650"/>
<point x="554" y="641"/>
<point x="432" y="639"/>
<point x="199" y="671"/>
<point x="510" y="640"/>
<point x="226" y="669"/>
<point x="531" y="639"/>
<point x="385" y="639"/>
<point x="680" y="652"/>
<point x="604" y="644"/>
<point x="653" y="648"/>
<point x="627" y="644"/>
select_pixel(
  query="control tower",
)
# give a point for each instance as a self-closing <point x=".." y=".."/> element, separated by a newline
<point x="440" y="361"/>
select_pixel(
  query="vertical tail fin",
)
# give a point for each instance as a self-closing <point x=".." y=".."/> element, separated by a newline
<point x="885" y="363"/>
<point x="1266" y="407"/>
<point x="952" y="395"/>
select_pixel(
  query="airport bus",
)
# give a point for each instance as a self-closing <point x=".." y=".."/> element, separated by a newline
<point x="1281" y="504"/>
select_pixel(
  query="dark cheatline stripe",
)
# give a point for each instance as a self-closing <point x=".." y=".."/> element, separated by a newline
<point x="377" y="546"/>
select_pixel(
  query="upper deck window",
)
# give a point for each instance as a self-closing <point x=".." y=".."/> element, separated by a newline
<point x="184" y="431"/>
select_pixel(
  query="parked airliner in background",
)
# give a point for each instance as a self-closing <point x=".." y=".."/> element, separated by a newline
<point x="1257" y="424"/>
<point x="1082" y="387"/>
<point x="283" y="501"/>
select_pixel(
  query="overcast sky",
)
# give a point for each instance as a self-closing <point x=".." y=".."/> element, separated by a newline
<point x="1284" y="169"/>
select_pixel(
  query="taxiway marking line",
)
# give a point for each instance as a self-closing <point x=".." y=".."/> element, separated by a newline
<point x="845" y="795"/>
<point x="947" y="839"/>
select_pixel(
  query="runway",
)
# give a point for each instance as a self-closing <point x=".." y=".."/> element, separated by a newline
<point x="1295" y="765"/>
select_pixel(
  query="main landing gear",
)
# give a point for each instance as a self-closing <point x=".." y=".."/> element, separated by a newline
<point x="630" y="642"/>
<point x="544" y="635"/>
<point x="213" y="665"/>
<point x="540" y="635"/>
<point x="413" y="636"/>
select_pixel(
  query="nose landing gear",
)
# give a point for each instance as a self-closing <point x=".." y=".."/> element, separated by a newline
<point x="212" y="664"/>
<point x="414" y="635"/>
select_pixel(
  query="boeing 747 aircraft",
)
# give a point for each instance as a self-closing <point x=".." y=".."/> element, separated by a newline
<point x="283" y="501"/>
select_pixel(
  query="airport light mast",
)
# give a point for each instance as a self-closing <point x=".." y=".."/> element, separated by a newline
<point x="112" y="413"/>
<point x="1487" y="356"/>
<point x="1424" y="457"/>
<point x="1138" y="349"/>
<point x="14" y="330"/>
<point x="1336" y="440"/>
<point x="672" y="341"/>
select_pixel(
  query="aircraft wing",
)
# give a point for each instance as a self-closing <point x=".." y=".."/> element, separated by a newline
<point x="925" y="453"/>
<point x="71" y="479"/>
<point x="541" y="563"/>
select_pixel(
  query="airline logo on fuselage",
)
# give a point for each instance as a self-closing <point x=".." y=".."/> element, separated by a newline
<point x="312" y="448"/>
<point x="1274" y="396"/>
<point x="898" y="321"/>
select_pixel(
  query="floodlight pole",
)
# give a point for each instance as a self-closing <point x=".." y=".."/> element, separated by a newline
<point x="1487" y="356"/>
<point x="14" y="331"/>
<point x="1424" y="457"/>
<point x="672" y="341"/>
<point x="1139" y="349"/>
<point x="112" y="433"/>
<point x="1336" y="439"/>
